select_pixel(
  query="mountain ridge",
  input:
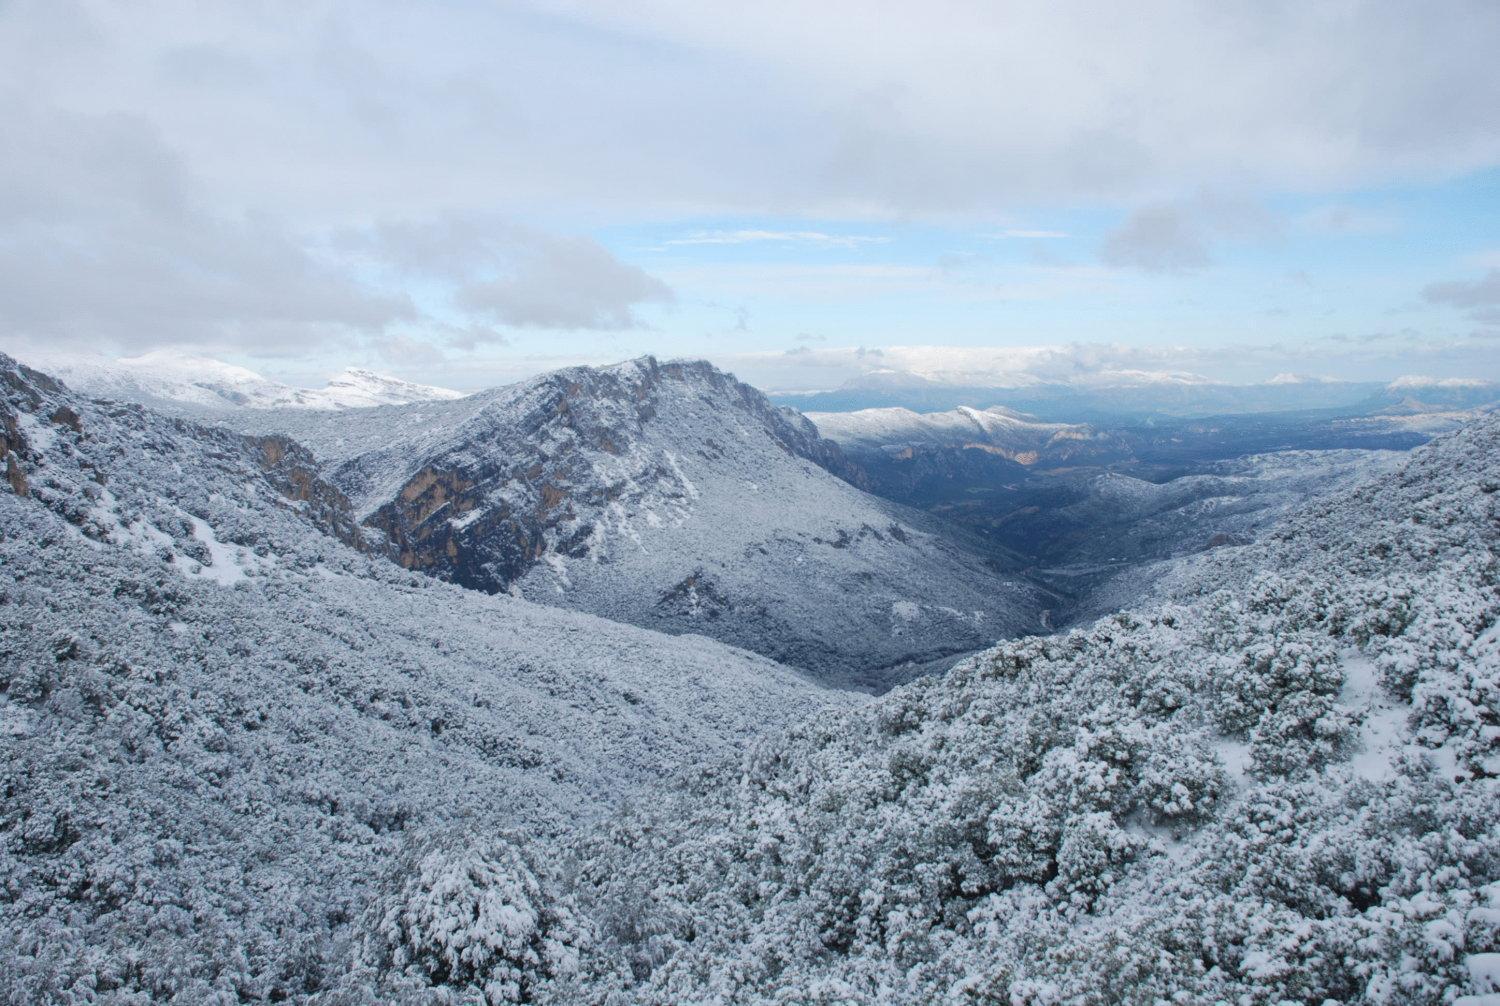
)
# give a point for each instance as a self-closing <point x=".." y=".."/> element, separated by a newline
<point x="674" y="496"/>
<point x="177" y="382"/>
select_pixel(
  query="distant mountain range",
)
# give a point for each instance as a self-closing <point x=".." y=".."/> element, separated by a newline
<point x="1122" y="400"/>
<point x="997" y="430"/>
<point x="1090" y="507"/>
<point x="173" y="381"/>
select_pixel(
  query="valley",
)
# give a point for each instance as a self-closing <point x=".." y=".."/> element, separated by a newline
<point x="670" y="496"/>
<point x="609" y="630"/>
<point x="673" y="497"/>
<point x="777" y="504"/>
<point x="1083" y="504"/>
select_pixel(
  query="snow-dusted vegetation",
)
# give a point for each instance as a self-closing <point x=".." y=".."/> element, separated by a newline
<point x="220" y="725"/>
<point x="1278" y="786"/>
<point x="248" y="758"/>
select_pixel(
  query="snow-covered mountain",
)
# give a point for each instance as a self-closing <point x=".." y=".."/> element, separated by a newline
<point x="173" y="381"/>
<point x="998" y="430"/>
<point x="222" y="719"/>
<point x="1105" y="398"/>
<point x="356" y="388"/>
<point x="247" y="758"/>
<point x="1416" y="396"/>
<point x="672" y="496"/>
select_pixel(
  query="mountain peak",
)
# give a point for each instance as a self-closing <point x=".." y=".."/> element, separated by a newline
<point x="670" y="495"/>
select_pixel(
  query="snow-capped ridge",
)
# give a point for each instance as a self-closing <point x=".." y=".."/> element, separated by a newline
<point x="1288" y="377"/>
<point x="1410" y="381"/>
<point x="356" y="387"/>
<point x="170" y="378"/>
<point x="667" y="494"/>
<point x="1015" y="435"/>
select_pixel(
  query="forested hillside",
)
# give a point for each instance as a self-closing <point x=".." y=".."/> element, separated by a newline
<point x="1279" y="786"/>
<point x="220" y="724"/>
<point x="247" y="760"/>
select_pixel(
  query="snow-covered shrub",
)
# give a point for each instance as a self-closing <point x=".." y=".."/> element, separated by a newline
<point x="1091" y="857"/>
<point x="202" y="777"/>
<point x="1277" y="787"/>
<point x="1178" y="778"/>
<point x="469" y="914"/>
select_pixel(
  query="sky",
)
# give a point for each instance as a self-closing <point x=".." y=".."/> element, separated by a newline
<point x="467" y="193"/>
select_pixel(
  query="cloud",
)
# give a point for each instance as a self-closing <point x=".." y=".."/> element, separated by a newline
<point x="335" y="110"/>
<point x="468" y="336"/>
<point x="109" y="240"/>
<point x="1175" y="236"/>
<point x="1483" y="292"/>
<point x="564" y="283"/>
<point x="506" y="273"/>
<point x="186" y="179"/>
<point x="106" y="239"/>
<point x="954" y="106"/>
<point x="1347" y="221"/>
<point x="1157" y="239"/>
<point x="1479" y="298"/>
<point x="740" y="237"/>
<point x="408" y="353"/>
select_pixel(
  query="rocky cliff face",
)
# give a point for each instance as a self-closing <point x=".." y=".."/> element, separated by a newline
<point x="293" y="471"/>
<point x="486" y="512"/>
<point x="669" y="495"/>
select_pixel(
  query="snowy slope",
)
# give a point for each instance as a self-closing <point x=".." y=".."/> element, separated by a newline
<point x="170" y="380"/>
<point x="672" y="496"/>
<point x="1005" y="432"/>
<point x="1278" y="785"/>
<point x="221" y="720"/>
<point x="356" y="388"/>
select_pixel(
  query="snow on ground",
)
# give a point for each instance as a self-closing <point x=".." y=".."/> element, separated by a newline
<point x="206" y="786"/>
<point x="1268" y="784"/>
